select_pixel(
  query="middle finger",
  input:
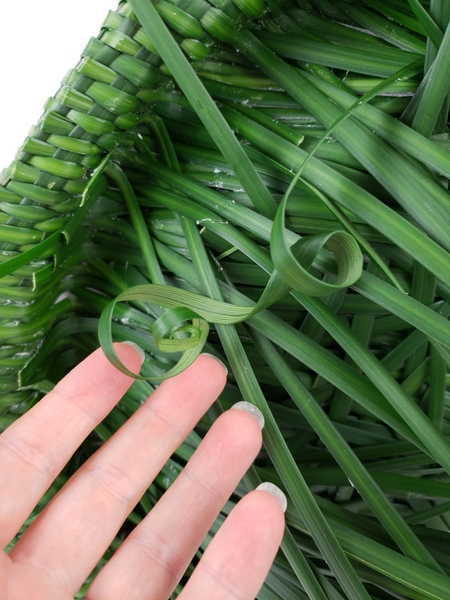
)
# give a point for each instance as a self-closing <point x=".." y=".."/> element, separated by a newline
<point x="72" y="533"/>
<point x="152" y="560"/>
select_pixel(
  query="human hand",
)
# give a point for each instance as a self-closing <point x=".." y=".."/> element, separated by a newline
<point x="64" y="543"/>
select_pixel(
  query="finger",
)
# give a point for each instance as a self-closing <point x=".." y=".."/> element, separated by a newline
<point x="152" y="560"/>
<point x="35" y="448"/>
<point x="76" y="528"/>
<point x="239" y="557"/>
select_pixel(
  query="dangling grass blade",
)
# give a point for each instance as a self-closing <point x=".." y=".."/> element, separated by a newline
<point x="165" y="145"/>
<point x="95" y="187"/>
<point x="116" y="173"/>
<point x="51" y="244"/>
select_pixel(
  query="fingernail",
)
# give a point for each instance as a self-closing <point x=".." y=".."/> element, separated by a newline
<point x="275" y="491"/>
<point x="138" y="350"/>
<point x="218" y="360"/>
<point x="252" y="409"/>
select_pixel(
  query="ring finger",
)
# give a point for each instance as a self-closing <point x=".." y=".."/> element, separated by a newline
<point x="150" y="563"/>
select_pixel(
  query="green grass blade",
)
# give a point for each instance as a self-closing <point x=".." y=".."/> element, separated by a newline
<point x="386" y="165"/>
<point x="116" y="173"/>
<point x="354" y="470"/>
<point x="205" y="107"/>
<point x="429" y="26"/>
<point x="383" y="28"/>
<point x="438" y="445"/>
<point x="390" y="129"/>
<point x="301" y="567"/>
<point x="435" y="90"/>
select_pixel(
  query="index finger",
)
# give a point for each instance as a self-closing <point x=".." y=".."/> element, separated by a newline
<point x="35" y="448"/>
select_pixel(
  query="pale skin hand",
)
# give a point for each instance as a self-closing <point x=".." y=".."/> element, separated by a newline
<point x="62" y="546"/>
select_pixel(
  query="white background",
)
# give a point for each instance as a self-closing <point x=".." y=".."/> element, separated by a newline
<point x="40" y="40"/>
